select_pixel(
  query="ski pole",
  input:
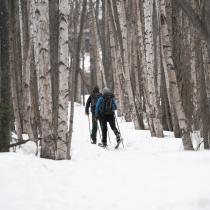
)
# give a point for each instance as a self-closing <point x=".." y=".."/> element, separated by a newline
<point x="108" y="135"/>
<point x="101" y="134"/>
<point x="99" y="127"/>
<point x="89" y="127"/>
<point x="119" y="130"/>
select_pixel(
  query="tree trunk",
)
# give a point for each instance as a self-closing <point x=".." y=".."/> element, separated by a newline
<point x="54" y="63"/>
<point x="129" y="104"/>
<point x="115" y="56"/>
<point x="119" y="52"/>
<point x="63" y="82"/>
<point x="15" y="66"/>
<point x="100" y="75"/>
<point x="75" y="67"/>
<point x="35" y="112"/>
<point x="5" y="105"/>
<point x="79" y="89"/>
<point x="26" y="53"/>
<point x="141" y="53"/>
<point x="172" y="81"/>
<point x="42" y="56"/>
<point x="154" y="121"/>
<point x="202" y="25"/>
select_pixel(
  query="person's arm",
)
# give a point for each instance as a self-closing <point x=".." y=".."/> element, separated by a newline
<point x="98" y="105"/>
<point x="87" y="105"/>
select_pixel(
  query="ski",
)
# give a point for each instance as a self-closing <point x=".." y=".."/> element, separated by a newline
<point x="101" y="145"/>
<point x="118" y="143"/>
<point x="110" y="148"/>
<point x="106" y="147"/>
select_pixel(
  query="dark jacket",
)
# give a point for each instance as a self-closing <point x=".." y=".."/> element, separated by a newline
<point x="91" y="102"/>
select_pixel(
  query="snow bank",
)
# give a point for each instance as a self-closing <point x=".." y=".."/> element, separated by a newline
<point x="148" y="174"/>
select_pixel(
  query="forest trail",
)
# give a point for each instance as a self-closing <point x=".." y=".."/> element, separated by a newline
<point x="148" y="174"/>
<point x="134" y="140"/>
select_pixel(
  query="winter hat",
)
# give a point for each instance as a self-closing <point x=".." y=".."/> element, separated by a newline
<point x="106" y="90"/>
<point x="96" y="89"/>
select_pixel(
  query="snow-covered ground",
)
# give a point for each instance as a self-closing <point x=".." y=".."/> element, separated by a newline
<point x="148" y="174"/>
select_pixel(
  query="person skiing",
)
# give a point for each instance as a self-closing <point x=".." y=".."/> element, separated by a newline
<point x="105" y="108"/>
<point x="92" y="100"/>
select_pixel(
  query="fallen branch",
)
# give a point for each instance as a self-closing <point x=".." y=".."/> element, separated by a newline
<point x="19" y="143"/>
<point x="198" y="147"/>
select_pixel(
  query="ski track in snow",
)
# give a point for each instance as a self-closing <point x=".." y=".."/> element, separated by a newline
<point x="148" y="174"/>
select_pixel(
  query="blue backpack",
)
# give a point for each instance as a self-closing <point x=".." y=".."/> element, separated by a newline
<point x="106" y="108"/>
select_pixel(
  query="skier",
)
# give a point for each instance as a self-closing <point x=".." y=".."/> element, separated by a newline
<point x="105" y="108"/>
<point x="92" y="100"/>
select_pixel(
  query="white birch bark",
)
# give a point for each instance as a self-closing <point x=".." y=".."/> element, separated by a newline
<point x="35" y="130"/>
<point x="170" y="76"/>
<point x="41" y="44"/>
<point x="64" y="9"/>
<point x="120" y="74"/>
<point x="158" y="55"/>
<point x="126" y="66"/>
<point x="155" y="124"/>
<point x="142" y="55"/>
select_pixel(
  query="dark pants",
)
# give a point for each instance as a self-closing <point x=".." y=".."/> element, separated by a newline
<point x="94" y="128"/>
<point x="103" y="122"/>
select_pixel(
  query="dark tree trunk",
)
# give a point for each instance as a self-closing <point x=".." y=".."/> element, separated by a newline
<point x="15" y="27"/>
<point x="202" y="25"/>
<point x="54" y="42"/>
<point x="15" y="64"/>
<point x="204" y="111"/>
<point x="5" y="106"/>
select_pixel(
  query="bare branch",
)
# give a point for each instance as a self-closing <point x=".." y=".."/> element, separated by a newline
<point x="19" y="143"/>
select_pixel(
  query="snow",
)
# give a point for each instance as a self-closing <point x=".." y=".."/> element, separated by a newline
<point x="86" y="62"/>
<point x="148" y="174"/>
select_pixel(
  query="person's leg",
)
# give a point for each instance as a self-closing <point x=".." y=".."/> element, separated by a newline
<point x="94" y="129"/>
<point x="111" y="120"/>
<point x="103" y="123"/>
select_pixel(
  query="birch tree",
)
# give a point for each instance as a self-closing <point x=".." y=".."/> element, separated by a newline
<point x="115" y="56"/>
<point x="42" y="59"/>
<point x="103" y="34"/>
<point x="120" y="18"/>
<point x="172" y="81"/>
<point x="62" y="145"/>
<point x="97" y="67"/>
<point x="154" y="121"/>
